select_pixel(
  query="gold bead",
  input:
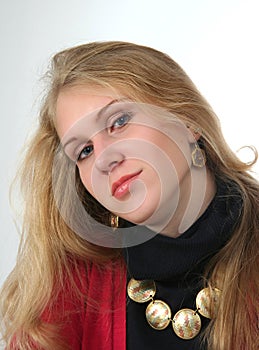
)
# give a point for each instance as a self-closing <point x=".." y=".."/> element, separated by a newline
<point x="141" y="291"/>
<point x="186" y="324"/>
<point x="207" y="300"/>
<point x="158" y="314"/>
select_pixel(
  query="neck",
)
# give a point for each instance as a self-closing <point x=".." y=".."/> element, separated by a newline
<point x="192" y="204"/>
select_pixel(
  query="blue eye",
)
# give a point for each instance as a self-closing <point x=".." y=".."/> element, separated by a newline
<point x="121" y="121"/>
<point x="86" y="152"/>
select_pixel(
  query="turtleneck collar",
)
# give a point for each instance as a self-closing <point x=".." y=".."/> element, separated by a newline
<point x="164" y="258"/>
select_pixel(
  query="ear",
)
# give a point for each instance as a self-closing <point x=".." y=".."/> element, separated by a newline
<point x="194" y="134"/>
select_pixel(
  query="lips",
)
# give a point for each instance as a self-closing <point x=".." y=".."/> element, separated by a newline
<point x="121" y="187"/>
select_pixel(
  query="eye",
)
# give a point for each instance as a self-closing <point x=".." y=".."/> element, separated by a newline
<point x="85" y="153"/>
<point x="121" y="121"/>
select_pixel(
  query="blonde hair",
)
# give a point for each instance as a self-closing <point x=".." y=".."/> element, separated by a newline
<point x="50" y="250"/>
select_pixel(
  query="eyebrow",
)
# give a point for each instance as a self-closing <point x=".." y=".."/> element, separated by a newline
<point x="98" y="117"/>
<point x="103" y="109"/>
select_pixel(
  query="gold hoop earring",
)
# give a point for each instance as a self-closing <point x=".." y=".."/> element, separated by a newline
<point x="198" y="157"/>
<point x="114" y="221"/>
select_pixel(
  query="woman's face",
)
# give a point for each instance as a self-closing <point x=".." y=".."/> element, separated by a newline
<point x="134" y="163"/>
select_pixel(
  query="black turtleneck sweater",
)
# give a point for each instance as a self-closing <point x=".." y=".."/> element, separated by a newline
<point x="177" y="266"/>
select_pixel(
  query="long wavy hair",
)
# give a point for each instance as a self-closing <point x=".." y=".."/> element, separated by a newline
<point x="50" y="250"/>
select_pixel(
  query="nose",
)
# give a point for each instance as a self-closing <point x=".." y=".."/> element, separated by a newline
<point x="109" y="158"/>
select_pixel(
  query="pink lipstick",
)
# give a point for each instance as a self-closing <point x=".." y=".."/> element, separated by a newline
<point x="121" y="187"/>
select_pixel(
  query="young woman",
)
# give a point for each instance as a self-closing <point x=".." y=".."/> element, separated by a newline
<point x="140" y="224"/>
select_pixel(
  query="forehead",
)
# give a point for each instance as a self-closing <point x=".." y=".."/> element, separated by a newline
<point x="76" y="103"/>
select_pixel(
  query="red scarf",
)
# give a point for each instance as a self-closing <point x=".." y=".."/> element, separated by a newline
<point x="99" y="323"/>
<point x="105" y="329"/>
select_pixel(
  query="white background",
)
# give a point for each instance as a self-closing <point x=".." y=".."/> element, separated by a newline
<point x="216" y="42"/>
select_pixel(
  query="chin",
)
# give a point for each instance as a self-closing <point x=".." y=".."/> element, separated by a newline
<point x="139" y="217"/>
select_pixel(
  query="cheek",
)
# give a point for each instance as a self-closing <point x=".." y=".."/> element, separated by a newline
<point x="179" y="153"/>
<point x="85" y="176"/>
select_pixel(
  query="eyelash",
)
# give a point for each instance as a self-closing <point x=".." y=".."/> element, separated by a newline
<point x="122" y="121"/>
<point x="122" y="117"/>
<point x="81" y="157"/>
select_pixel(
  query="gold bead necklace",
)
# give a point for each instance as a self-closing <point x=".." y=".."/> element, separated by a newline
<point x="186" y="323"/>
